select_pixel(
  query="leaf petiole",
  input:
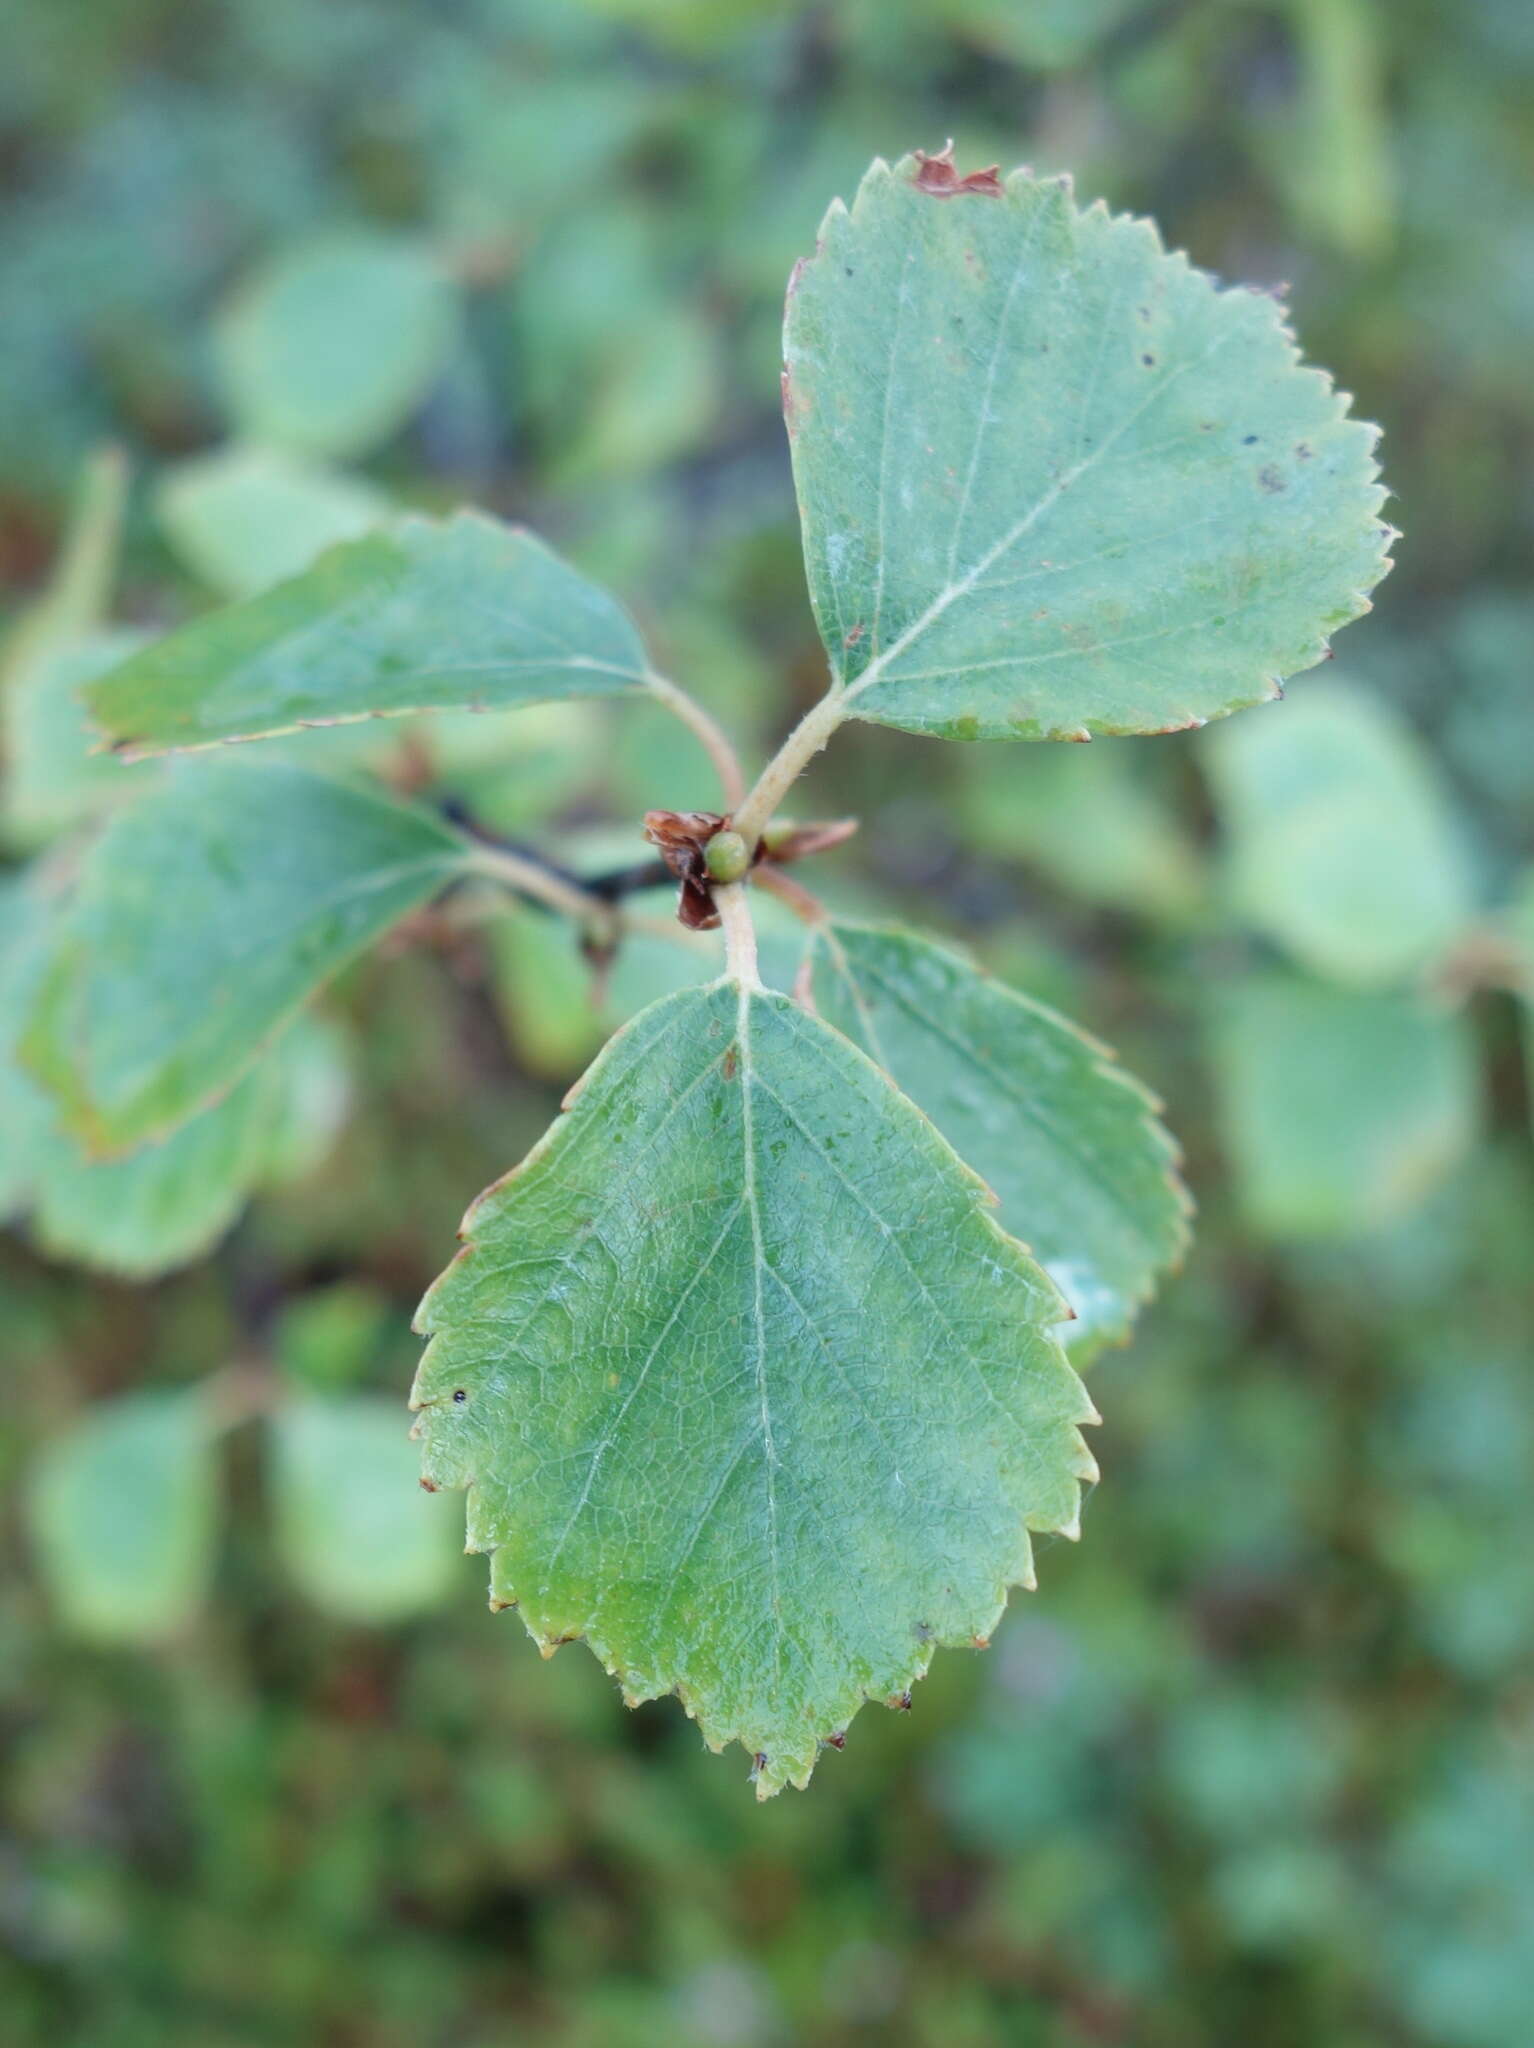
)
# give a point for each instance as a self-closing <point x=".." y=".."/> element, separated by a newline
<point x="708" y="732"/>
<point x="755" y="814"/>
<point x="739" y="934"/>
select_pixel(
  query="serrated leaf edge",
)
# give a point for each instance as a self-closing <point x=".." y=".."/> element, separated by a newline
<point x="1106" y="1065"/>
<point x="1265" y="688"/>
<point x="637" y="1689"/>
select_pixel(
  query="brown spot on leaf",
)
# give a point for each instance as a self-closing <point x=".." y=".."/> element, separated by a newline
<point x="730" y="1063"/>
<point x="851" y="639"/>
<point x="836" y="1741"/>
<point x="937" y="175"/>
<point x="428" y="1485"/>
<point x="901" y="1703"/>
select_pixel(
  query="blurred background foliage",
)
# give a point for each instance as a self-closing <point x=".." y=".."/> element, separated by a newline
<point x="1257" y="1763"/>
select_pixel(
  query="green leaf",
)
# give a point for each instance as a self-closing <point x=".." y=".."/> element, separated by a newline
<point x="54" y="774"/>
<point x="123" y="1516"/>
<point x="1054" y="481"/>
<point x="748" y="1387"/>
<point x="329" y="1336"/>
<point x="26" y="1114"/>
<point x="333" y="345"/>
<point x="1068" y="1142"/>
<point x="79" y="590"/>
<point x="1090" y="818"/>
<point x="204" y="918"/>
<point x="1343" y="847"/>
<point x="354" y="1528"/>
<point x="1046" y="35"/>
<point x="244" y="518"/>
<point x="465" y="614"/>
<point x="1342" y="1108"/>
<point x="167" y="1203"/>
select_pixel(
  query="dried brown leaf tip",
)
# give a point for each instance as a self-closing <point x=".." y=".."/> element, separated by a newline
<point x="937" y="175"/>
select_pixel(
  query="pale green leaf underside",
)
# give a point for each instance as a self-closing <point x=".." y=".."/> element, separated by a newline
<point x="356" y="1532"/>
<point x="205" y="916"/>
<point x="1068" y="1142"/>
<point x="332" y="345"/>
<point x="462" y="614"/>
<point x="168" y="1203"/>
<point x="165" y="1203"/>
<point x="242" y="518"/>
<point x="1342" y="1108"/>
<point x="1054" y="481"/>
<point x="122" y="1511"/>
<point x="758" y="1397"/>
<point x="1343" y="845"/>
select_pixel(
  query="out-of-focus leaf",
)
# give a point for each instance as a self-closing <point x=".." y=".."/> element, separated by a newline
<point x="244" y="518"/>
<point x="79" y="591"/>
<point x="312" y="1104"/>
<point x="1460" y="1944"/>
<point x="334" y="343"/>
<point x="169" y="1202"/>
<point x="1054" y="481"/>
<point x="757" y="1479"/>
<point x="26" y="1115"/>
<point x="123" y="1516"/>
<point x="203" y="919"/>
<point x="1342" y="845"/>
<point x="55" y="774"/>
<point x="360" y="1537"/>
<point x="558" y="1010"/>
<point x="328" y="1336"/>
<point x="1092" y="819"/>
<point x="1068" y="1142"/>
<point x="1044" y="35"/>
<point x="653" y="399"/>
<point x="1334" y="156"/>
<point x="1342" y="1108"/>
<point x="463" y="614"/>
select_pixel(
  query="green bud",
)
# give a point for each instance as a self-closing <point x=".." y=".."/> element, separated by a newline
<point x="726" y="857"/>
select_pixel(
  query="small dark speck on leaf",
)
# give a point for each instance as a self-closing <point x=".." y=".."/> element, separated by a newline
<point x="1149" y="362"/>
<point x="1270" y="478"/>
<point x="759" y="1762"/>
<point x="1249" y="440"/>
<point x="902" y="1703"/>
<point x="838" y="1740"/>
<point x="460" y="1395"/>
<point x="1303" y="450"/>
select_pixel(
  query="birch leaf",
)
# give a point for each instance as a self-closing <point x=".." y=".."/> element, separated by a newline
<point x="1068" y="1141"/>
<point x="123" y="1513"/>
<point x="1054" y="480"/>
<point x="461" y="614"/>
<point x="747" y="1385"/>
<point x="205" y="917"/>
